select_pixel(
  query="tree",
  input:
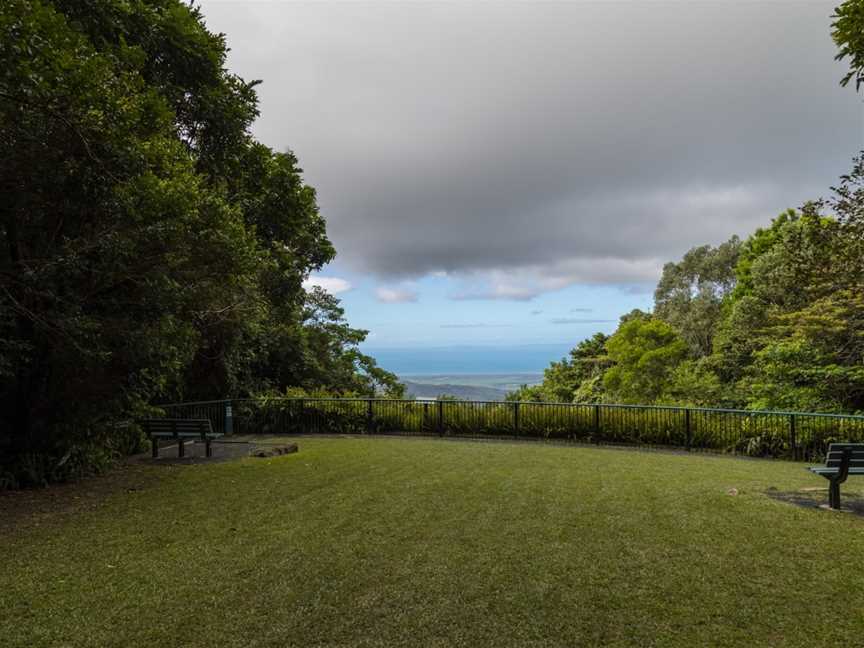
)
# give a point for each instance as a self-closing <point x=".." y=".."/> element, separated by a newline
<point x="588" y="360"/>
<point x="563" y="380"/>
<point x="282" y="214"/>
<point x="690" y="293"/>
<point x="527" y="393"/>
<point x="697" y="383"/>
<point x="809" y="349"/>
<point x="781" y="268"/>
<point x="330" y="357"/>
<point x="847" y="30"/>
<point x="791" y="338"/>
<point x="757" y="244"/>
<point x="644" y="351"/>
<point x="813" y="358"/>
<point x="149" y="247"/>
<point x="112" y="243"/>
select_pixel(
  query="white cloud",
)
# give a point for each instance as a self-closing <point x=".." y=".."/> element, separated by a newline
<point x="531" y="281"/>
<point x="469" y="326"/>
<point x="579" y="320"/>
<point x="333" y="285"/>
<point x="395" y="295"/>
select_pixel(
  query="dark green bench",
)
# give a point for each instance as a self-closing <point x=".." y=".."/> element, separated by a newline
<point x="179" y="429"/>
<point x="843" y="459"/>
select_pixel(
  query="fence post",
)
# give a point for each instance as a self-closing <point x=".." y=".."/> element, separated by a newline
<point x="229" y="418"/>
<point x="441" y="417"/>
<point x="792" y="441"/>
<point x="688" y="430"/>
<point x="597" y="424"/>
<point x="301" y="405"/>
<point x="369" y="424"/>
<point x="516" y="418"/>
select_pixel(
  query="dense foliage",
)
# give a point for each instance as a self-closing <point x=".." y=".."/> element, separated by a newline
<point x="150" y="248"/>
<point x="773" y="322"/>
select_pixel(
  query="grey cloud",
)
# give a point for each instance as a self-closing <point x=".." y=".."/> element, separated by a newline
<point x="536" y="312"/>
<point x="638" y="289"/>
<point x="555" y="143"/>
<point x="498" y="292"/>
<point x="581" y="310"/>
<point x="387" y="295"/>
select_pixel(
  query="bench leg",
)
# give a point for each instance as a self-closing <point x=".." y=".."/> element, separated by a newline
<point x="834" y="494"/>
<point x="209" y="450"/>
<point x="154" y="447"/>
<point x="181" y="448"/>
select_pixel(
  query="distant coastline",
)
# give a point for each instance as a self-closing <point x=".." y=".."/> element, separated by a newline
<point x="467" y="386"/>
<point x="468" y="360"/>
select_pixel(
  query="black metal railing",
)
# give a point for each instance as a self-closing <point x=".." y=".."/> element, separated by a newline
<point x="790" y="435"/>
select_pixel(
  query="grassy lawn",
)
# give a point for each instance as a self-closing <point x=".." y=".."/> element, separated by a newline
<point x="406" y="542"/>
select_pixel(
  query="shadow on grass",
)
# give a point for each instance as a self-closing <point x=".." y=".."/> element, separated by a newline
<point x="818" y="498"/>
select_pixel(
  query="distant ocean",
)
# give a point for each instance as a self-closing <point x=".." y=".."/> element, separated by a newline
<point x="468" y="360"/>
<point x="468" y="372"/>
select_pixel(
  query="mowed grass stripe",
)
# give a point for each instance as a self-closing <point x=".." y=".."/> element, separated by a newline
<point x="366" y="542"/>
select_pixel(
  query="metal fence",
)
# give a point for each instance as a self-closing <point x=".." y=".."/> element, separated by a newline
<point x="789" y="435"/>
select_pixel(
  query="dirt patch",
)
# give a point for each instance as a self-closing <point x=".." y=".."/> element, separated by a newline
<point x="34" y="507"/>
<point x="22" y="509"/>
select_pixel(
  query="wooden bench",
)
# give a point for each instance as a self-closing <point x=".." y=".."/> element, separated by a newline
<point x="843" y="459"/>
<point x="179" y="429"/>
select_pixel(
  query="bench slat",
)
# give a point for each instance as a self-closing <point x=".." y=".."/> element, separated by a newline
<point x="191" y="435"/>
<point x="822" y="470"/>
<point x="176" y="428"/>
<point x="835" y="458"/>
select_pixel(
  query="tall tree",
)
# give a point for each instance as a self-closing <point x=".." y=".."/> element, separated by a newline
<point x="112" y="244"/>
<point x="573" y="379"/>
<point x="691" y="292"/>
<point x="644" y="351"/>
<point x="149" y="247"/>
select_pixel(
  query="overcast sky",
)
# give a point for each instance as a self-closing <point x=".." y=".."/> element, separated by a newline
<point x="480" y="162"/>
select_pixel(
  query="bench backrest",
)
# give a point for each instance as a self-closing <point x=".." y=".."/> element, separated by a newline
<point x="176" y="426"/>
<point x="835" y="455"/>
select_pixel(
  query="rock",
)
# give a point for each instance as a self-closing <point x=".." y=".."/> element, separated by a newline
<point x="275" y="451"/>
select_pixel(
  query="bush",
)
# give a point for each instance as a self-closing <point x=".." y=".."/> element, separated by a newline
<point x="92" y="454"/>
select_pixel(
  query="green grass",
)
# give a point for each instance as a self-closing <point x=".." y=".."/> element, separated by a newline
<point x="406" y="542"/>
